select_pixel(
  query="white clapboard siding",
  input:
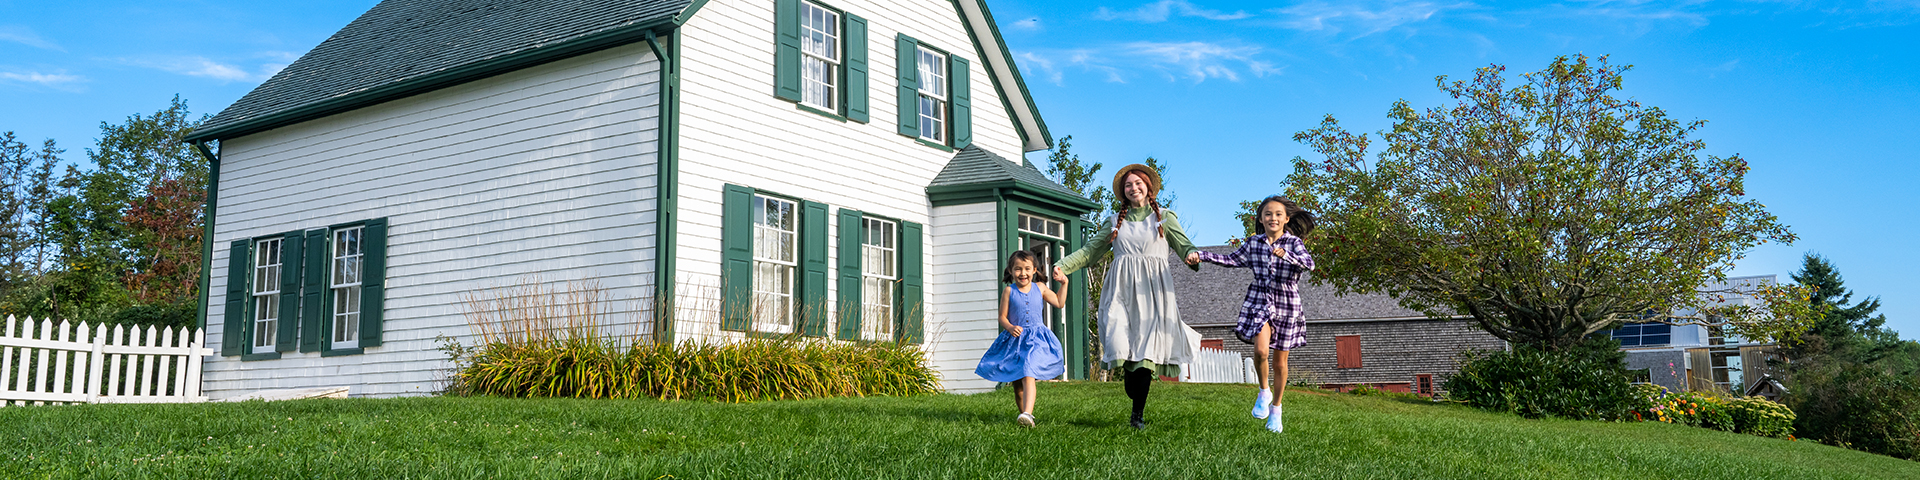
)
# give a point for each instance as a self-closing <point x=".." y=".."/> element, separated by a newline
<point x="544" y="174"/>
<point x="47" y="363"/>
<point x="961" y="285"/>
<point x="734" y="130"/>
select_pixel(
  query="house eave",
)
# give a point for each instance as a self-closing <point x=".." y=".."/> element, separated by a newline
<point x="442" y="79"/>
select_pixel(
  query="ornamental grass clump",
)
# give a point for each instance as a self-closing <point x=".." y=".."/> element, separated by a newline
<point x="539" y="343"/>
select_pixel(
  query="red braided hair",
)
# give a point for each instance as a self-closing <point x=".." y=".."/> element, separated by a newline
<point x="1152" y="201"/>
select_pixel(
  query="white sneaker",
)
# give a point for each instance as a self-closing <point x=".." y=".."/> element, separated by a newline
<point x="1260" y="404"/>
<point x="1025" y="419"/>
<point x="1273" y="420"/>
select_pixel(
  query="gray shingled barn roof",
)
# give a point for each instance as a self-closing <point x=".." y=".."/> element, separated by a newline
<point x="404" y="40"/>
<point x="975" y="166"/>
<point x="1212" y="296"/>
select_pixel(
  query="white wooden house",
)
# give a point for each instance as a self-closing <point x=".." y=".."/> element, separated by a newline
<point x="835" y="169"/>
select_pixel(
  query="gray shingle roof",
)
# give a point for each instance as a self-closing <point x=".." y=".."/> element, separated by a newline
<point x="974" y="165"/>
<point x="405" y="40"/>
<point x="1212" y="296"/>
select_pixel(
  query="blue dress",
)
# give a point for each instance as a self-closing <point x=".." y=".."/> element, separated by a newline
<point x="1035" y="353"/>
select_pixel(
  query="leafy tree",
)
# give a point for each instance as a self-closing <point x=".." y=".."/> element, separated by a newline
<point x="25" y="188"/>
<point x="125" y="232"/>
<point x="1546" y="211"/>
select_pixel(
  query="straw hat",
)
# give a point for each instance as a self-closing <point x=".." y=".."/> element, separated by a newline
<point x="1153" y="178"/>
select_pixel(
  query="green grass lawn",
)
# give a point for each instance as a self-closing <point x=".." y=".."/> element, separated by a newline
<point x="1194" y="431"/>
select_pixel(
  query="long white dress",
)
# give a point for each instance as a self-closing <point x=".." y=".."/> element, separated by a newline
<point x="1139" y="314"/>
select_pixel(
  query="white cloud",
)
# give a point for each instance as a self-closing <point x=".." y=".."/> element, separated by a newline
<point x="1196" y="61"/>
<point x="1030" y="25"/>
<point x="198" y="66"/>
<point x="46" y="79"/>
<point x="1159" y="12"/>
<point x="26" y="36"/>
<point x="1358" y="19"/>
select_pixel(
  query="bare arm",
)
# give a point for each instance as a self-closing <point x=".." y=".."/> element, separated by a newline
<point x="1004" y="325"/>
<point x="1058" y="300"/>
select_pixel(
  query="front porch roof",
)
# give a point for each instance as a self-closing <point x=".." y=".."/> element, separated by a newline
<point x="975" y="173"/>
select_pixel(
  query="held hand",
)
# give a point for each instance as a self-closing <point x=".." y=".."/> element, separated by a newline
<point x="1193" y="258"/>
<point x="1057" y="273"/>
<point x="1058" y="278"/>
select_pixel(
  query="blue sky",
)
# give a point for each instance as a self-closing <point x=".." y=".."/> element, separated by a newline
<point x="1822" y="98"/>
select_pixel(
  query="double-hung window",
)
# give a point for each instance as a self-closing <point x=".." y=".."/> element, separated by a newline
<point x="775" y="259"/>
<point x="346" y="252"/>
<point x="266" y="295"/>
<point x="879" y="270"/>
<point x="820" y="57"/>
<point x="933" y="95"/>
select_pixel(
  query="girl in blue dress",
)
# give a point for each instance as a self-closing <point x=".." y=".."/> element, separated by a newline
<point x="1026" y="349"/>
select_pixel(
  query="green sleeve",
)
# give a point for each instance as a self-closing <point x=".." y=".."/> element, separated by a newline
<point x="1177" y="237"/>
<point x="1098" y="247"/>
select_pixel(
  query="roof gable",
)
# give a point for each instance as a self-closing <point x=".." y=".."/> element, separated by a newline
<point x="405" y="47"/>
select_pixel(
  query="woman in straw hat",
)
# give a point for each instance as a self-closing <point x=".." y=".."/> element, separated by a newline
<point x="1140" y="328"/>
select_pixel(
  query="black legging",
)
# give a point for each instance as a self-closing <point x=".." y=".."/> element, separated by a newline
<point x="1138" y="381"/>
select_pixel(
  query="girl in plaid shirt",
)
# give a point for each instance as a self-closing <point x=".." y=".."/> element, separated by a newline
<point x="1271" y="317"/>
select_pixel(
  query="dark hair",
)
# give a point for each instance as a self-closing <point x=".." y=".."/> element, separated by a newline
<point x="1299" y="220"/>
<point x="1152" y="202"/>
<point x="1006" y="274"/>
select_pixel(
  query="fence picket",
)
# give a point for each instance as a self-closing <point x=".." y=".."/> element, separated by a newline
<point x="194" y="359"/>
<point x="40" y="369"/>
<point x="146" y="364"/>
<point x="6" y="365"/>
<point x="77" y="380"/>
<point x="179" y="366"/>
<point x="59" y="381"/>
<point x="113" y="362"/>
<point x="96" y="338"/>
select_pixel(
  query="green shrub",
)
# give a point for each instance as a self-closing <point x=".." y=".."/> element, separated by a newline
<point x="1584" y="383"/>
<point x="1856" y="405"/>
<point x="1759" y="416"/>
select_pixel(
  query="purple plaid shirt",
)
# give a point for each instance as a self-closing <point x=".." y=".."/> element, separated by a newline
<point x="1275" y="292"/>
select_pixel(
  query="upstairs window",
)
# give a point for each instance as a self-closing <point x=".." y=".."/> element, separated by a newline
<point x="933" y="95"/>
<point x="821" y="57"/>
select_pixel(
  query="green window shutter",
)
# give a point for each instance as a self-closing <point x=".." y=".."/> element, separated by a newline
<point x="813" y="269"/>
<point x="849" y="300"/>
<point x="233" y="335"/>
<point x="373" y="282"/>
<point x="962" y="102"/>
<point x="736" y="258"/>
<point x="908" y="63"/>
<point x="288" y="334"/>
<point x="913" y="308"/>
<point x="786" y="49"/>
<point x="314" y="312"/>
<point x="856" y="87"/>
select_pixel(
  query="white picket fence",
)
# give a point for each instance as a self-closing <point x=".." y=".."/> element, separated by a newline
<point x="1218" y="366"/>
<point x="66" y="363"/>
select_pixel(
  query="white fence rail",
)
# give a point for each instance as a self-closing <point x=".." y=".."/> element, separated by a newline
<point x="42" y="362"/>
<point x="1218" y="366"/>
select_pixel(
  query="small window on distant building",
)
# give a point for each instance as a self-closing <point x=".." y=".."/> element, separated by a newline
<point x="1644" y="334"/>
<point x="1423" y="384"/>
<point x="1346" y="351"/>
<point x="1644" y="375"/>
